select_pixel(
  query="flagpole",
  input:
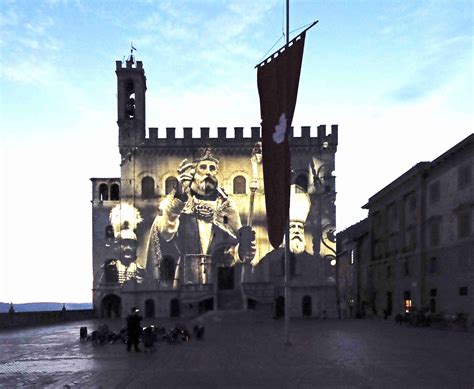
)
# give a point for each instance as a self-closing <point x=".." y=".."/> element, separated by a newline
<point x="287" y="229"/>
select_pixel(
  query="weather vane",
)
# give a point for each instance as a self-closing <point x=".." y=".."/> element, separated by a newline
<point x="132" y="48"/>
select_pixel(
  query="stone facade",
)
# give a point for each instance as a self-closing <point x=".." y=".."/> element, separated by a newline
<point x="163" y="287"/>
<point x="420" y="251"/>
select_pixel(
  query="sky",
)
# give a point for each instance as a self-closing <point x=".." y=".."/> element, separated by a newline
<point x="396" y="76"/>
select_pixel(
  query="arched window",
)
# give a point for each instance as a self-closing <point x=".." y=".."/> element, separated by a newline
<point x="174" y="308"/>
<point x="114" y="192"/>
<point x="111" y="306"/>
<point x="167" y="268"/>
<point x="110" y="271"/>
<point x="149" y="308"/>
<point x="148" y="187"/>
<point x="109" y="232"/>
<point x="240" y="185"/>
<point x="170" y="184"/>
<point x="103" y="192"/>
<point x="301" y="183"/>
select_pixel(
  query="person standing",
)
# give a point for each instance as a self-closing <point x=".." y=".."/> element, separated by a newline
<point x="133" y="329"/>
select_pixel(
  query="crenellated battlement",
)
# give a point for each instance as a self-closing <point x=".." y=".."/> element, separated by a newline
<point x="157" y="135"/>
<point x="119" y="65"/>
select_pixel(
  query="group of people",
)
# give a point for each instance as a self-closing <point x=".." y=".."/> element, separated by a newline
<point x="149" y="335"/>
<point x="133" y="333"/>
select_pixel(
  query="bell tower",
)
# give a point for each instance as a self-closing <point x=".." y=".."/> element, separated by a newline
<point x="131" y="88"/>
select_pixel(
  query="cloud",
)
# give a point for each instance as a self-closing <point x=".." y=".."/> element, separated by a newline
<point x="27" y="62"/>
<point x="443" y="61"/>
<point x="431" y="42"/>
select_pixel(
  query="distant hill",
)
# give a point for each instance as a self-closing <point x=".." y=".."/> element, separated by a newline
<point x="34" y="307"/>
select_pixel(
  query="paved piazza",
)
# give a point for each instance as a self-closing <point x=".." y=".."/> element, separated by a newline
<point x="243" y="350"/>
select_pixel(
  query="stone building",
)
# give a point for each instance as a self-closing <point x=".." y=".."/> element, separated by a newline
<point x="420" y="251"/>
<point x="352" y="249"/>
<point x="141" y="260"/>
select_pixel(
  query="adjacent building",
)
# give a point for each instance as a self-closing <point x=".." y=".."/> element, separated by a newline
<point x="416" y="248"/>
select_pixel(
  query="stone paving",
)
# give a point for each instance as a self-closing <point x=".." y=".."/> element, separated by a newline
<point x="244" y="350"/>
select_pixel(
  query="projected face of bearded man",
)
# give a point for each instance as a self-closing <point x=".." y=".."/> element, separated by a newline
<point x="297" y="239"/>
<point x="205" y="178"/>
<point x="128" y="251"/>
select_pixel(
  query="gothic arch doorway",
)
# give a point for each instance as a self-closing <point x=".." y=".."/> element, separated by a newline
<point x="174" y="308"/>
<point x="111" y="306"/>
<point x="279" y="307"/>
<point x="149" y="308"/>
<point x="306" y="306"/>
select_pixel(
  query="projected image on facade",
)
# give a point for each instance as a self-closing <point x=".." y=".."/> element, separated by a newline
<point x="184" y="228"/>
<point x="202" y="223"/>
<point x="198" y="225"/>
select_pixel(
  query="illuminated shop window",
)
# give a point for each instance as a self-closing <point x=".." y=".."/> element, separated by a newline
<point x="407" y="301"/>
<point x="240" y="185"/>
<point x="170" y="184"/>
<point x="408" y="306"/>
<point x="114" y="192"/>
<point x="103" y="192"/>
<point x="148" y="187"/>
<point x="301" y="183"/>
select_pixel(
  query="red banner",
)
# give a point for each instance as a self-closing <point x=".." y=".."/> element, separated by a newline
<point x="278" y="80"/>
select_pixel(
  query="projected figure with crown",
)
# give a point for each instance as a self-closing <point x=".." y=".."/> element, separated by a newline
<point x="202" y="223"/>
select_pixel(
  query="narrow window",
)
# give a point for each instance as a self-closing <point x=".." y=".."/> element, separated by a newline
<point x="167" y="268"/>
<point x="434" y="234"/>
<point x="240" y="185"/>
<point x="148" y="187"/>
<point x="433" y="265"/>
<point x="114" y="192"/>
<point x="464" y="176"/>
<point x="352" y="256"/>
<point x="464" y="224"/>
<point x="434" y="192"/>
<point x="170" y="184"/>
<point x="406" y="268"/>
<point x="463" y="291"/>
